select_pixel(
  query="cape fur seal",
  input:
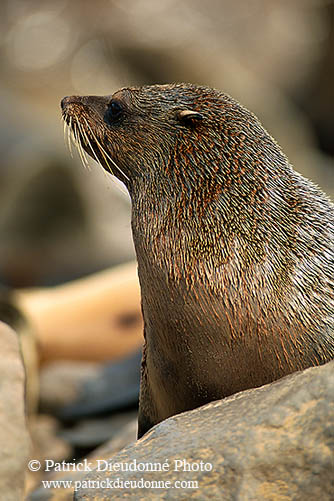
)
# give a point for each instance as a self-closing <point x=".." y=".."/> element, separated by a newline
<point x="235" y="249"/>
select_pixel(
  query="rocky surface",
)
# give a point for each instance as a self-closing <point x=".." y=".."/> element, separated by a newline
<point x="274" y="442"/>
<point x="14" y="439"/>
<point x="113" y="388"/>
<point x="46" y="444"/>
<point x="61" y="382"/>
<point x="65" y="493"/>
<point x="90" y="433"/>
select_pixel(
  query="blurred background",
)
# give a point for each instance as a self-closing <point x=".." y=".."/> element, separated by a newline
<point x="59" y="221"/>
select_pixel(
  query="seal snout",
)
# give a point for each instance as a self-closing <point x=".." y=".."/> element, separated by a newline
<point x="65" y="102"/>
<point x="68" y="100"/>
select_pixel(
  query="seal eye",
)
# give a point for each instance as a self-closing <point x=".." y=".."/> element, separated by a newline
<point x="114" y="112"/>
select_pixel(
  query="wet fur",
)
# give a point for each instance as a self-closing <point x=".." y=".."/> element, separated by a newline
<point x="235" y="249"/>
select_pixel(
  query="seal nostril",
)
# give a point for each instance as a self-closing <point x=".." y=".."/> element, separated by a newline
<point x="64" y="102"/>
<point x="67" y="100"/>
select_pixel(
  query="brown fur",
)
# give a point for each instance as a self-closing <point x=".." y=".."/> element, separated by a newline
<point x="234" y="248"/>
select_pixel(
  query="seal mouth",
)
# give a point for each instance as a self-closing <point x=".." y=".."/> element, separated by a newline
<point x="75" y="135"/>
<point x="79" y="132"/>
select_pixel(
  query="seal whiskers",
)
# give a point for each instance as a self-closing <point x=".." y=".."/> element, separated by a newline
<point x="79" y="133"/>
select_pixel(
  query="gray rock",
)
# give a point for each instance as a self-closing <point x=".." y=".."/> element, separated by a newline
<point x="65" y="492"/>
<point x="114" y="388"/>
<point x="90" y="433"/>
<point x="61" y="382"/>
<point x="14" y="439"/>
<point x="274" y="442"/>
<point x="12" y="315"/>
<point x="46" y="445"/>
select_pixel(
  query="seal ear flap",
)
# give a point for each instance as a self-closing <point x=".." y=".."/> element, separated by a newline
<point x="189" y="117"/>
